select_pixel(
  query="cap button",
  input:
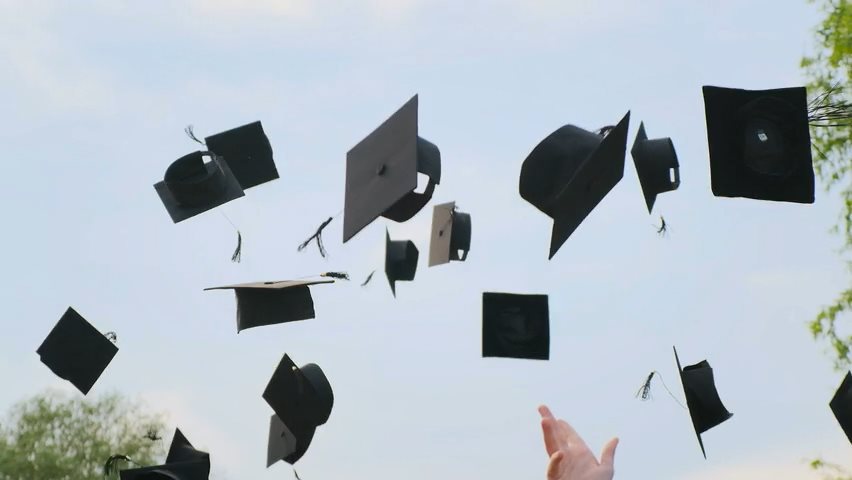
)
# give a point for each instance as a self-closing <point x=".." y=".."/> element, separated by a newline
<point x="380" y="170"/>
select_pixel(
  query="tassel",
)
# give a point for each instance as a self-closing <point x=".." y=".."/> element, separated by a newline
<point x="663" y="229"/>
<point x="238" y="252"/>
<point x="645" y="390"/>
<point x="152" y="435"/>
<point x="317" y="235"/>
<point x="825" y="111"/>
<point x="369" y="277"/>
<point x="191" y="134"/>
<point x="296" y="474"/>
<point x="111" y="466"/>
<point x="111" y="336"/>
<point x="339" y="275"/>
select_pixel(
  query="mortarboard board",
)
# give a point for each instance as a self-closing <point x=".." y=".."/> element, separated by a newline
<point x="192" y="186"/>
<point x="247" y="152"/>
<point x="381" y="172"/>
<point x="450" y="234"/>
<point x="841" y="405"/>
<point x="76" y="351"/>
<point x="183" y="462"/>
<point x="515" y="326"/>
<point x="568" y="173"/>
<point x="284" y="444"/>
<point x="270" y="303"/>
<point x="302" y="400"/>
<point x="400" y="260"/>
<point x="760" y="144"/>
<point x="705" y="407"/>
<point x="656" y="165"/>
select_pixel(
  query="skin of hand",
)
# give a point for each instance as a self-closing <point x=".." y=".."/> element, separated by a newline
<point x="570" y="457"/>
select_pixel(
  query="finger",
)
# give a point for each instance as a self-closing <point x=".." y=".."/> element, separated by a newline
<point x="608" y="454"/>
<point x="551" y="435"/>
<point x="545" y="412"/>
<point x="554" y="467"/>
<point x="570" y="434"/>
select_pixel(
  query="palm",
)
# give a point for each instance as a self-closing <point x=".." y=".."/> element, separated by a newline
<point x="570" y="457"/>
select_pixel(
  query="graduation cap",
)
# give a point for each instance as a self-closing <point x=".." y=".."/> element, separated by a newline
<point x="302" y="400"/>
<point x="400" y="260"/>
<point x="702" y="399"/>
<point x="183" y="462"/>
<point x="656" y="165"/>
<point x="381" y="172"/>
<point x="247" y="152"/>
<point x="760" y="144"/>
<point x="76" y="351"/>
<point x="192" y="186"/>
<point x="515" y="326"/>
<point x="570" y="172"/>
<point x="841" y="405"/>
<point x="270" y="303"/>
<point x="450" y="234"/>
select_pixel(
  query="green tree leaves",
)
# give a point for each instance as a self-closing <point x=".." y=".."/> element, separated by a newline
<point x="51" y="436"/>
<point x="829" y="67"/>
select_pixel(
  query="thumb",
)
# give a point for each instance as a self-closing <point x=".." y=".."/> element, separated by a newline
<point x="554" y="467"/>
<point x="608" y="454"/>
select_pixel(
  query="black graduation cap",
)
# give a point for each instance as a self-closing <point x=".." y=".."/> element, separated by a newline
<point x="381" y="172"/>
<point x="656" y="165"/>
<point x="702" y="399"/>
<point x="400" y="260"/>
<point x="302" y="400"/>
<point x="247" y="152"/>
<point x="841" y="405"/>
<point x="183" y="462"/>
<point x="515" y="326"/>
<point x="76" y="351"/>
<point x="760" y="144"/>
<point x="270" y="303"/>
<point x="192" y="186"/>
<point x="570" y="172"/>
<point x="450" y="234"/>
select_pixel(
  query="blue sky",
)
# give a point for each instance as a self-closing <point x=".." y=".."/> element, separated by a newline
<point x="95" y="98"/>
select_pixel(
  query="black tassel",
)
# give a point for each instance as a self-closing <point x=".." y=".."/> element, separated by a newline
<point x="339" y="275"/>
<point x="111" y="465"/>
<point x="369" y="277"/>
<point x="645" y="390"/>
<point x="153" y="435"/>
<point x="825" y="111"/>
<point x="112" y="336"/>
<point x="238" y="252"/>
<point x="317" y="235"/>
<point x="663" y="229"/>
<point x="191" y="134"/>
<point x="296" y="474"/>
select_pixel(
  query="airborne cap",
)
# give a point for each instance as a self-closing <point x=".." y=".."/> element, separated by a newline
<point x="381" y="172"/>
<point x="569" y="172"/>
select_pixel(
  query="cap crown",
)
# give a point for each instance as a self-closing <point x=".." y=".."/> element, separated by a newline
<point x="759" y="142"/>
<point x="515" y="326"/>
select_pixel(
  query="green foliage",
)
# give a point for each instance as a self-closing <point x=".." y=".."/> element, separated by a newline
<point x="832" y="66"/>
<point x="830" y="471"/>
<point x="52" y="436"/>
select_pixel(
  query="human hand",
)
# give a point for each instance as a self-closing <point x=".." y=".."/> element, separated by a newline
<point x="570" y="457"/>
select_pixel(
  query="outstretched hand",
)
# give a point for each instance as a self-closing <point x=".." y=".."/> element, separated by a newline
<point x="570" y="457"/>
